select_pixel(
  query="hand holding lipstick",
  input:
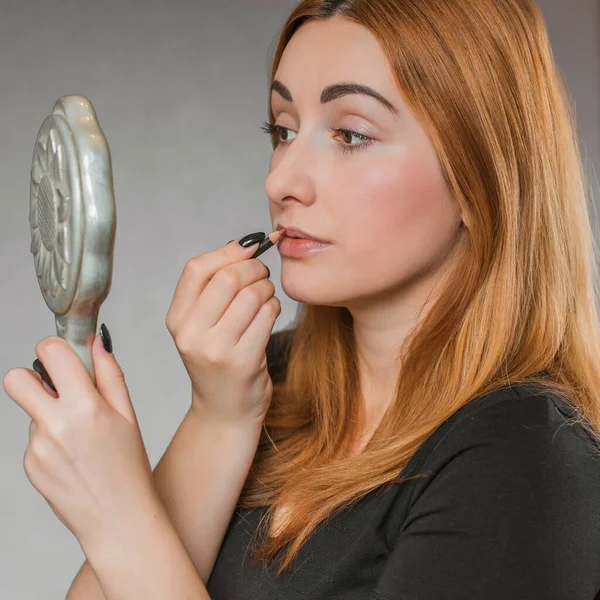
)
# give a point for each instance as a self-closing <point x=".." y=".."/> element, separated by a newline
<point x="221" y="318"/>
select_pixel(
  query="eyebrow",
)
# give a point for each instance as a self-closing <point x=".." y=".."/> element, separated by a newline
<point x="338" y="90"/>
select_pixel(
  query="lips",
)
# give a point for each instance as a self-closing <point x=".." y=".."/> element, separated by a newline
<point x="295" y="232"/>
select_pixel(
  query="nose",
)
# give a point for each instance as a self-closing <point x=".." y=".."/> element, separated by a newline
<point x="292" y="174"/>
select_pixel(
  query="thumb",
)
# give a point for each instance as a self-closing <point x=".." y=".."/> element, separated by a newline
<point x="110" y="380"/>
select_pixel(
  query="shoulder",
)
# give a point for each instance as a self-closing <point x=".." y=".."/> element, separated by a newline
<point x="507" y="505"/>
<point x="523" y="414"/>
<point x="518" y="437"/>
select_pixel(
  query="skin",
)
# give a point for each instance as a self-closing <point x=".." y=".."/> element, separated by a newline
<point x="385" y="208"/>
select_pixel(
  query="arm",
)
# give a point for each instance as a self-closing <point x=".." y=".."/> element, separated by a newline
<point x="143" y="557"/>
<point x="199" y="480"/>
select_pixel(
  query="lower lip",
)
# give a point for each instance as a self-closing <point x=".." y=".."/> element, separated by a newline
<point x="296" y="247"/>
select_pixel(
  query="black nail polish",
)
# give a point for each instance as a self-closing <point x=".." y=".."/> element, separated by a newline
<point x="106" y="339"/>
<point x="263" y="247"/>
<point x="39" y="367"/>
<point x="252" y="238"/>
<point x="229" y="242"/>
<point x="268" y="271"/>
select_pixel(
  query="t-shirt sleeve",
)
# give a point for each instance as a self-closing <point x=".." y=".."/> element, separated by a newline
<point x="512" y="511"/>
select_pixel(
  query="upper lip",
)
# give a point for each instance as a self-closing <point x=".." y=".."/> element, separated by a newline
<point x="296" y="232"/>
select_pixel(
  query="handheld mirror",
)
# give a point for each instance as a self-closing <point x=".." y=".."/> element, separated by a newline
<point x="72" y="215"/>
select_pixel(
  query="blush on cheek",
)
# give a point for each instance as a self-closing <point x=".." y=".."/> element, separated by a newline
<point x="382" y="199"/>
<point x="373" y="197"/>
<point x="402" y="204"/>
<point x="426" y="216"/>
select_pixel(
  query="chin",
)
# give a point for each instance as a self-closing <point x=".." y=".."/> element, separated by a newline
<point x="302" y="289"/>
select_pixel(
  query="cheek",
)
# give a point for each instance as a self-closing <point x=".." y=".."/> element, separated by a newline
<point x="402" y="204"/>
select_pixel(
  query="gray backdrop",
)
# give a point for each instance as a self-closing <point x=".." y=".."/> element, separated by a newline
<point x="180" y="88"/>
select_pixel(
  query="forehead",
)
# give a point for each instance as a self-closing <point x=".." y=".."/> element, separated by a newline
<point x="334" y="50"/>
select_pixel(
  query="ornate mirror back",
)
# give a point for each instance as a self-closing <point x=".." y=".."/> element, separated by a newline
<point x="72" y="216"/>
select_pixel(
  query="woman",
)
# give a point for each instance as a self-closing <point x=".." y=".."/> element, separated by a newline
<point x="449" y="325"/>
<point x="431" y="426"/>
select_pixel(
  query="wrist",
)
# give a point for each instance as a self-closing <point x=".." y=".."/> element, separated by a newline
<point x="145" y="559"/>
<point x="126" y="533"/>
<point x="199" y="411"/>
<point x="142" y="514"/>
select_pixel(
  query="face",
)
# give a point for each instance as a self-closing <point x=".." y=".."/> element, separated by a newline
<point x="375" y="193"/>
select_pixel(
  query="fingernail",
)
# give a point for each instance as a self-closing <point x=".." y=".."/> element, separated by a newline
<point x="39" y="367"/>
<point x="251" y="239"/>
<point x="229" y="242"/>
<point x="106" y="340"/>
<point x="268" y="271"/>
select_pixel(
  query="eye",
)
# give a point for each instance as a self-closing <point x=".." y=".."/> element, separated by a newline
<point x="273" y="128"/>
<point x="367" y="141"/>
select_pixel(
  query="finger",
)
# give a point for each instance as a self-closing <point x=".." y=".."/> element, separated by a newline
<point x="259" y="331"/>
<point x="196" y="275"/>
<point x="26" y="390"/>
<point x="43" y="450"/>
<point x="65" y="368"/>
<point x="110" y="380"/>
<point x="37" y="366"/>
<point x="224" y="288"/>
<point x="241" y="312"/>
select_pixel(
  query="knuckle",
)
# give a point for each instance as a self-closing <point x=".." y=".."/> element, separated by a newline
<point x="242" y="366"/>
<point x="202" y="353"/>
<point x="184" y="342"/>
<point x="227" y="278"/>
<point x="194" y="265"/>
<point x="171" y="324"/>
<point x="251" y="294"/>
<point x="275" y="305"/>
<point x="84" y="418"/>
<point x="28" y="460"/>
<point x="37" y="450"/>
<point x="214" y="355"/>
<point x="237" y="360"/>
<point x="58" y="429"/>
<point x="181" y="344"/>
<point x="90" y="411"/>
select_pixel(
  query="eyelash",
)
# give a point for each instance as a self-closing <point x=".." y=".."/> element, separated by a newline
<point x="272" y="128"/>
